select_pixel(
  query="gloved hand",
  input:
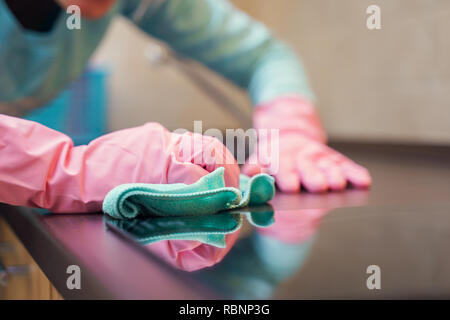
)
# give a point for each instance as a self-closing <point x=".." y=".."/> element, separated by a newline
<point x="40" y="167"/>
<point x="304" y="157"/>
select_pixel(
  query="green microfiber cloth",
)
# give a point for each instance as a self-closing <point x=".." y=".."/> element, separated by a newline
<point x="204" y="211"/>
<point x="207" y="196"/>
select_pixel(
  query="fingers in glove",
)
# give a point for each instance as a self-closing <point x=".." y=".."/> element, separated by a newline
<point x="333" y="173"/>
<point x="311" y="176"/>
<point x="287" y="178"/>
<point x="357" y="175"/>
<point x="252" y="166"/>
<point x="215" y="155"/>
<point x="185" y="172"/>
<point x="207" y="153"/>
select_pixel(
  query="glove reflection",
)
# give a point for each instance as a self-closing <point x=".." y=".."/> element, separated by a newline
<point x="260" y="262"/>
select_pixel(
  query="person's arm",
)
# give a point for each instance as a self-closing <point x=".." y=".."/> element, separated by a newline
<point x="229" y="42"/>
<point x="244" y="51"/>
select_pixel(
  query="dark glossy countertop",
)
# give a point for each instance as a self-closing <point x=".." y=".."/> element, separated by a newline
<point x="402" y="225"/>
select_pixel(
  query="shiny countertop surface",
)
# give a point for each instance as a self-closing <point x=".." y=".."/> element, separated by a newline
<point x="319" y="247"/>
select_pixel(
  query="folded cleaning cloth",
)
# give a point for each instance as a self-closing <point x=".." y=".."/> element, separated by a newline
<point x="189" y="212"/>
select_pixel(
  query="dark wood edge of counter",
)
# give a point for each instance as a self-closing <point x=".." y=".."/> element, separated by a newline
<point x="50" y="255"/>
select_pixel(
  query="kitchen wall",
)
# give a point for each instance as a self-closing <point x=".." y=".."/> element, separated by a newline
<point x="381" y="85"/>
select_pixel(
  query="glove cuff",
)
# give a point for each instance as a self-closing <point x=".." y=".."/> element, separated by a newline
<point x="291" y="114"/>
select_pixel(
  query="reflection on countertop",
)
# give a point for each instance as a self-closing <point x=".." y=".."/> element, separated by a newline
<point x="266" y="257"/>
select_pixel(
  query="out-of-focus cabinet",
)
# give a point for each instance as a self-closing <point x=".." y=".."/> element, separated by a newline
<point x="20" y="276"/>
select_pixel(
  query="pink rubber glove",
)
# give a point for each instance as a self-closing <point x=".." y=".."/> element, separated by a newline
<point x="304" y="157"/>
<point x="40" y="167"/>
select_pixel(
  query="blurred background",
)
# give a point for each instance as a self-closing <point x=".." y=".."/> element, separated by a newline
<point x="388" y="85"/>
